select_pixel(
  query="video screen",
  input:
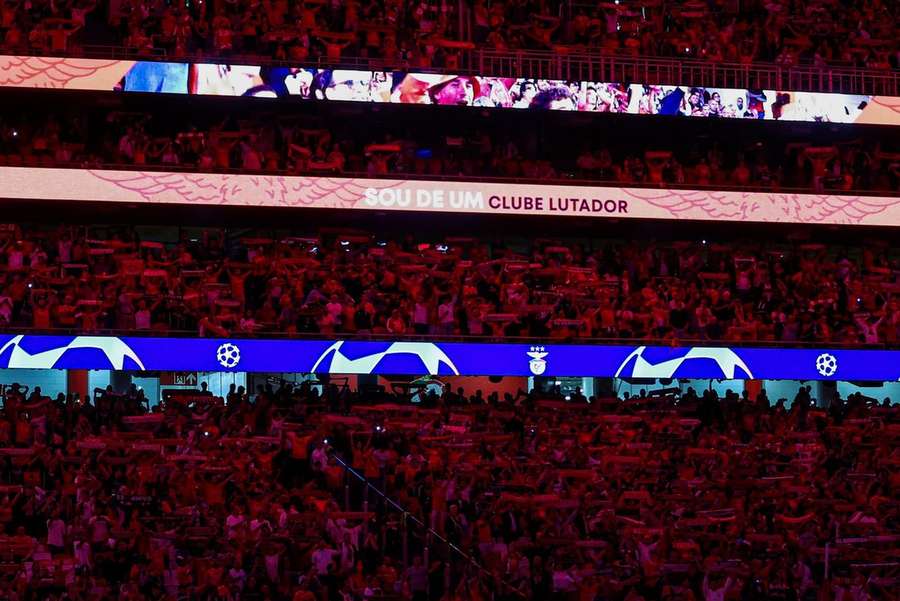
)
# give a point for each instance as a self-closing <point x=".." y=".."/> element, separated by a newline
<point x="522" y="93"/>
<point x="399" y="87"/>
<point x="396" y="87"/>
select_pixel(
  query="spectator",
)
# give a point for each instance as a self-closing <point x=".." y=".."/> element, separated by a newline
<point x="693" y="497"/>
<point x="277" y="143"/>
<point x="677" y="290"/>
<point x="434" y="35"/>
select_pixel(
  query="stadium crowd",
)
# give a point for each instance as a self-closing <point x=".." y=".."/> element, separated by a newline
<point x="644" y="498"/>
<point x="432" y="33"/>
<point x="316" y="144"/>
<point x="357" y="282"/>
<point x="459" y="496"/>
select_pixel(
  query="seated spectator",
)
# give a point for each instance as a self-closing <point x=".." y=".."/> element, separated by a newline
<point x="275" y="143"/>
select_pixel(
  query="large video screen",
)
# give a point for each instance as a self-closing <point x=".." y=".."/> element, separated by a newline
<point x="386" y="87"/>
<point x="520" y="93"/>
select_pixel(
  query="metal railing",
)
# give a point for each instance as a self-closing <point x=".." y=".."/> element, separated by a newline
<point x="590" y="66"/>
<point x="409" y="521"/>
<point x="672" y="71"/>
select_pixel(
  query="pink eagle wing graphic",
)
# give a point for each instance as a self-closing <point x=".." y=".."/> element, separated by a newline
<point x="690" y="204"/>
<point x="881" y="110"/>
<point x="764" y="206"/>
<point x="48" y="72"/>
<point x="246" y="190"/>
<point x="890" y="102"/>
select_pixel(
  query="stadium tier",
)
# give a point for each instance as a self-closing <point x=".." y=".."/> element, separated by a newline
<point x="516" y="464"/>
<point x="222" y="283"/>
<point x="449" y="301"/>
<point x="293" y="493"/>
<point x="437" y="33"/>
<point x="150" y="149"/>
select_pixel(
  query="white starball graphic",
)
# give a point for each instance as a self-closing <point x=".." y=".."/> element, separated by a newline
<point x="826" y="364"/>
<point x="228" y="355"/>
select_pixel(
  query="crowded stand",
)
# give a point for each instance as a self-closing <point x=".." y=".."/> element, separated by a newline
<point x="459" y="146"/>
<point x="430" y="33"/>
<point x="361" y="482"/>
<point x="321" y="493"/>
<point x="362" y="283"/>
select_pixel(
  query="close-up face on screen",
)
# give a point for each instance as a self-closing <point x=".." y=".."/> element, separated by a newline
<point x="351" y="86"/>
<point x="458" y="91"/>
<point x="225" y="80"/>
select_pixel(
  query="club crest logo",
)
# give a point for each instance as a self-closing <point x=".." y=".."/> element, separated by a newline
<point x="537" y="365"/>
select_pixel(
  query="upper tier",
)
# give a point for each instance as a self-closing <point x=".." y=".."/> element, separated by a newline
<point x="827" y="37"/>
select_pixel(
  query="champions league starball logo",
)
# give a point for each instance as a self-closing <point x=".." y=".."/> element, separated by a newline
<point x="404" y="357"/>
<point x="826" y="364"/>
<point x="687" y="365"/>
<point x="40" y="357"/>
<point x="537" y="365"/>
<point x="228" y="355"/>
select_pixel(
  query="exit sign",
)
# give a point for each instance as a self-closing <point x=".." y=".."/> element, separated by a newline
<point x="178" y="378"/>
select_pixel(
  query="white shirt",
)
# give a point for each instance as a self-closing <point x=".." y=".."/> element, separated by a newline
<point x="251" y="157"/>
<point x="319" y="459"/>
<point x="64" y="248"/>
<point x="142" y="319"/>
<point x="445" y="313"/>
<point x="256" y="524"/>
<point x="711" y="594"/>
<point x="238" y="575"/>
<point x="321" y="558"/>
<point x="15" y="259"/>
<point x="420" y="313"/>
<point x="232" y="522"/>
<point x="82" y="553"/>
<point x="170" y="579"/>
<point x="563" y="581"/>
<point x="100" y="529"/>
<point x="56" y="532"/>
<point x="126" y="147"/>
<point x="334" y="309"/>
<point x="272" y="566"/>
<point x="348" y="556"/>
<point x="5" y="308"/>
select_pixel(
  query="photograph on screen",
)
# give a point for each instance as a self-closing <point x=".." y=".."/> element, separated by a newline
<point x="384" y="87"/>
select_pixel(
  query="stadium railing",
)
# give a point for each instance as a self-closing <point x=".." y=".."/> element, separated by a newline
<point x="590" y="67"/>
